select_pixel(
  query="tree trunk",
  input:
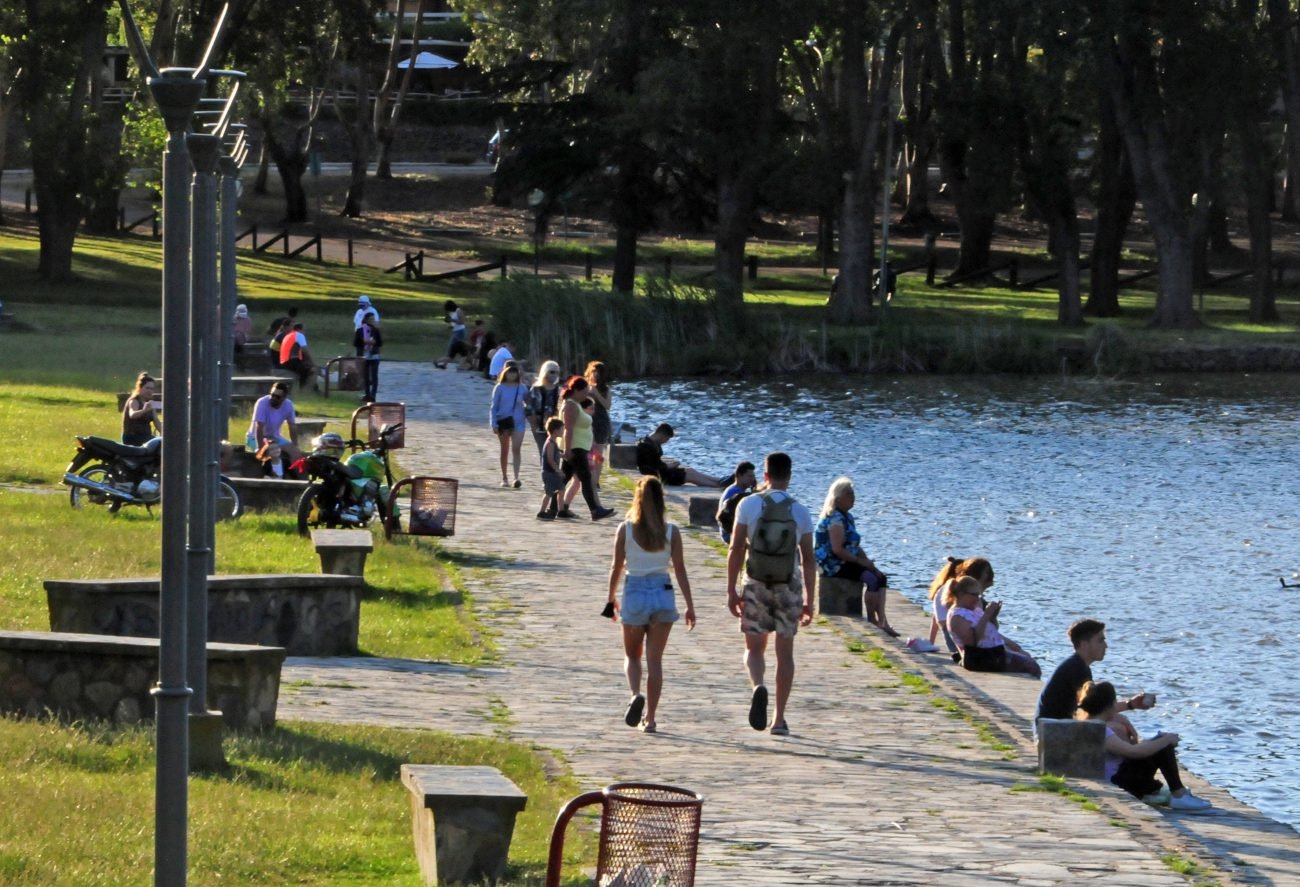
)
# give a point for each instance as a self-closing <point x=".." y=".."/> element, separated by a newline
<point x="851" y="301"/>
<point x="1175" y="248"/>
<point x="977" y="225"/>
<point x="1065" y="229"/>
<point x="1257" y="182"/>
<point x="735" y="209"/>
<point x="1287" y="54"/>
<point x="58" y="215"/>
<point x="625" y="242"/>
<point x="263" y="170"/>
<point x="291" y="163"/>
<point x="354" y="205"/>
<point x="1115" y="201"/>
<point x="384" y="139"/>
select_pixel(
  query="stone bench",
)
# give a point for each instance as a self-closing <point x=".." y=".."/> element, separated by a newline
<point x="307" y="429"/>
<point x="622" y="457"/>
<point x="254" y="357"/>
<point x="84" y="676"/>
<point x="238" y="462"/>
<point x="309" y="614"/>
<point x="703" y="511"/>
<point x="463" y="819"/>
<point x="343" y="551"/>
<point x="268" y="493"/>
<point x="256" y="386"/>
<point x="1072" y="748"/>
<point x="240" y="404"/>
<point x="837" y="597"/>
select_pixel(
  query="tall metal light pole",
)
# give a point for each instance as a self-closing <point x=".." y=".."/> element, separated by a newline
<point x="227" y="291"/>
<point x="177" y="92"/>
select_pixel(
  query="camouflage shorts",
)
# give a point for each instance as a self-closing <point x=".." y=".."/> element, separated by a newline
<point x="771" y="607"/>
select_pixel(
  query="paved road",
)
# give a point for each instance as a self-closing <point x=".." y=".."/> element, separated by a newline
<point x="876" y="785"/>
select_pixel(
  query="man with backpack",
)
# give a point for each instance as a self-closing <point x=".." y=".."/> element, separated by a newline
<point x="772" y="540"/>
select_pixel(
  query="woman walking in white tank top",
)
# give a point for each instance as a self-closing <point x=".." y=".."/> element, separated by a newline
<point x="644" y="547"/>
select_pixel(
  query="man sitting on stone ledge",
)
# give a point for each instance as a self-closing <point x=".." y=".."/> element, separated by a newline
<point x="650" y="460"/>
<point x="1060" y="697"/>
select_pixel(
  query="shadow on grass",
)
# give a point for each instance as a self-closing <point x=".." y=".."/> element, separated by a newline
<point x="414" y="600"/>
<point x="283" y="749"/>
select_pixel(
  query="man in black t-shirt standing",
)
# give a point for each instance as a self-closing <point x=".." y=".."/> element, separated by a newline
<point x="1060" y="697"/>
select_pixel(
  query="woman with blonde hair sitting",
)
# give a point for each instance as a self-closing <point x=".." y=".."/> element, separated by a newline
<point x="952" y="569"/>
<point x="838" y="548"/>
<point x="973" y="625"/>
<point x="644" y="546"/>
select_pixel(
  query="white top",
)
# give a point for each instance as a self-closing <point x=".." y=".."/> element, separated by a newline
<point x="361" y="313"/>
<point x="992" y="637"/>
<point x="499" y="358"/>
<point x="639" y="562"/>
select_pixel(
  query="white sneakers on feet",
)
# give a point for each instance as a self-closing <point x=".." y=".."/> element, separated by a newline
<point x="1157" y="798"/>
<point x="1188" y="801"/>
<point x="921" y="645"/>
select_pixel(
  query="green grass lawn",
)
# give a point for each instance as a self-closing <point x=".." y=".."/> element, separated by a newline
<point x="300" y="804"/>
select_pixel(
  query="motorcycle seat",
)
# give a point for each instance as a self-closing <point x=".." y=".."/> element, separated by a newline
<point x="121" y="449"/>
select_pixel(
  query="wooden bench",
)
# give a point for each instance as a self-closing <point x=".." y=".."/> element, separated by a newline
<point x="86" y="676"/>
<point x="343" y="551"/>
<point x="703" y="511"/>
<point x="268" y="493"/>
<point x="462" y="819"/>
<point x="838" y="597"/>
<point x="309" y="614"/>
<point x="1072" y="748"/>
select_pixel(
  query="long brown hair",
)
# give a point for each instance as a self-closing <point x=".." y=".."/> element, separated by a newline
<point x="649" y="528"/>
<point x="973" y="566"/>
<point x="597" y="375"/>
<point x="140" y="381"/>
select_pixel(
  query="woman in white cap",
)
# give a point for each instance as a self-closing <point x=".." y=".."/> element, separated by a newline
<point x="363" y="308"/>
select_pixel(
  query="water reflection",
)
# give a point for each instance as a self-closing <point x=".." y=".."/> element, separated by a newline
<point x="1164" y="506"/>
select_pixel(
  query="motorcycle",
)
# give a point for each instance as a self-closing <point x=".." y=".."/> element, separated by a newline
<point x="106" y="473"/>
<point x="345" y="492"/>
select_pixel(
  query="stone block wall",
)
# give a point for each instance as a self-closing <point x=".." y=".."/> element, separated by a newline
<point x="309" y="614"/>
<point x="91" y="677"/>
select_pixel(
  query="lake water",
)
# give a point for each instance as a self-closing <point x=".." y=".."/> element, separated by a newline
<point x="1166" y="506"/>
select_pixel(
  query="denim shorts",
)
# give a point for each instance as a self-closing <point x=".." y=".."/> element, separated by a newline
<point x="648" y="599"/>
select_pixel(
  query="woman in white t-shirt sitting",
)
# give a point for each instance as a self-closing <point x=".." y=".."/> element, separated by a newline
<point x="953" y="568"/>
<point x="644" y="546"/>
<point x="974" y="627"/>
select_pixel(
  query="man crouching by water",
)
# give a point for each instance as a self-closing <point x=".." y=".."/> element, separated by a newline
<point x="772" y="540"/>
<point x="650" y="460"/>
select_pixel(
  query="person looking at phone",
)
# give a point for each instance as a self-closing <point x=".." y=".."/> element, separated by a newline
<point x="974" y="628"/>
<point x="1131" y="761"/>
<point x="140" y="412"/>
<point x="1060" y="697"/>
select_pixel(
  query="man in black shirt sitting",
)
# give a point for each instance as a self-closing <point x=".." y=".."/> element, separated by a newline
<point x="650" y="460"/>
<point x="1060" y="697"/>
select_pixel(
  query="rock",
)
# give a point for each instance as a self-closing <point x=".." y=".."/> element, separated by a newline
<point x="1072" y="748"/>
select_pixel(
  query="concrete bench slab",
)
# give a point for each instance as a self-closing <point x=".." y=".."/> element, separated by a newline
<point x="309" y="614"/>
<point x="269" y="493"/>
<point x="1072" y="748"/>
<point x="308" y="428"/>
<point x="838" y="597"/>
<point x="86" y="676"/>
<point x="623" y="457"/>
<point x="703" y="511"/>
<point x="463" y="819"/>
<point x="343" y="551"/>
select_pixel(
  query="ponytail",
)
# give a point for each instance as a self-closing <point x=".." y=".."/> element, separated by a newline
<point x="946" y="572"/>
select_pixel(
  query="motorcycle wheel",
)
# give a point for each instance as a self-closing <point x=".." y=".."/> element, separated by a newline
<point x="229" y="505"/>
<point x="310" y="513"/>
<point x="79" y="496"/>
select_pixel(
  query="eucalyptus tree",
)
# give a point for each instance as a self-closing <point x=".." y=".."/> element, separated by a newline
<point x="972" y="58"/>
<point x="1165" y="72"/>
<point x="849" y="102"/>
<point x="59" y="48"/>
<point x="352" y="87"/>
<point x="391" y="97"/>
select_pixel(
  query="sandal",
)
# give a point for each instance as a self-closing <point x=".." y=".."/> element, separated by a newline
<point x="648" y="727"/>
<point x="632" y="716"/>
<point x="781" y="729"/>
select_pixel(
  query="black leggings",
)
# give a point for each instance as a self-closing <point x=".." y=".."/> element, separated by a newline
<point x="577" y="464"/>
<point x="1137" y="775"/>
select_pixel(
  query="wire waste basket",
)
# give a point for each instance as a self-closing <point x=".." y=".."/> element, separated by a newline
<point x="649" y="835"/>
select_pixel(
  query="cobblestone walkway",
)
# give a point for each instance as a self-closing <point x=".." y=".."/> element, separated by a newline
<point x="876" y="785"/>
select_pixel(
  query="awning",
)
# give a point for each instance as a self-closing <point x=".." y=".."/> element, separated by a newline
<point x="427" y="61"/>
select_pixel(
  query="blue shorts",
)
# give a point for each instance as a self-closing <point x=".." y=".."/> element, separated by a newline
<point x="648" y="599"/>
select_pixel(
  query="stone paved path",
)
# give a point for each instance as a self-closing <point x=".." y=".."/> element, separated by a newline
<point x="877" y="785"/>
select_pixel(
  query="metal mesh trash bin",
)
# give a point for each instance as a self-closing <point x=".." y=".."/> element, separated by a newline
<point x="430" y="507"/>
<point x="649" y="835"/>
<point x="376" y="416"/>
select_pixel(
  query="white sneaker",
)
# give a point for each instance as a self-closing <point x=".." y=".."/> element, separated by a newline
<point x="1188" y="801"/>
<point x="920" y="645"/>
<point x="1157" y="798"/>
